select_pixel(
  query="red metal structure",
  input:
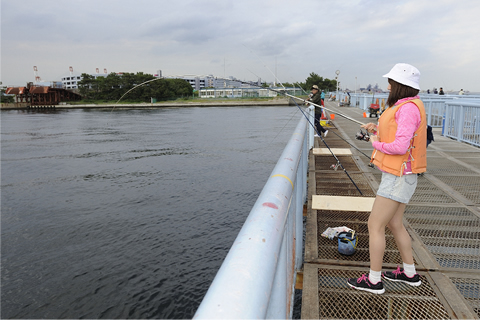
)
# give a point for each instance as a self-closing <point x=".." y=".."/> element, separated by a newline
<point x="42" y="96"/>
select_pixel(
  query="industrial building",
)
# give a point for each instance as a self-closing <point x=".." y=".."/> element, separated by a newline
<point x="71" y="81"/>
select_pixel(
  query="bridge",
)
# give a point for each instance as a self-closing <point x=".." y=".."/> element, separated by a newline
<point x="265" y="264"/>
<point x="442" y="218"/>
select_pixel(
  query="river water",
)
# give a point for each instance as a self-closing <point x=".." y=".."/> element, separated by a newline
<point x="127" y="213"/>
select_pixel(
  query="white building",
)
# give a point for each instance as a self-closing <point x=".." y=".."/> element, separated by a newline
<point x="244" y="92"/>
<point x="236" y="92"/>
<point x="71" y="81"/>
<point x="197" y="82"/>
<point x="202" y="82"/>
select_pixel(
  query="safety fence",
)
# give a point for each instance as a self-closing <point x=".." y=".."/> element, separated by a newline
<point x="462" y="121"/>
<point x="257" y="278"/>
<point x="457" y="115"/>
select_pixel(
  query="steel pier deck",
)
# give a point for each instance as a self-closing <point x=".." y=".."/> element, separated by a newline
<point x="443" y="219"/>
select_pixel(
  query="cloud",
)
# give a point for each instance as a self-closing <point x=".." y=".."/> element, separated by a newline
<point x="362" y="38"/>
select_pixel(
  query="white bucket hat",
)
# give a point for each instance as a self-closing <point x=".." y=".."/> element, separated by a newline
<point x="405" y="74"/>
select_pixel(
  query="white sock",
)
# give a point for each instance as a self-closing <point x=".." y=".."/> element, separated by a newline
<point x="375" y="276"/>
<point x="409" y="270"/>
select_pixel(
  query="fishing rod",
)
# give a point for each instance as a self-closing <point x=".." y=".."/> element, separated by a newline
<point x="359" y="136"/>
<point x="313" y="126"/>
<point x="333" y="154"/>
<point x="297" y="98"/>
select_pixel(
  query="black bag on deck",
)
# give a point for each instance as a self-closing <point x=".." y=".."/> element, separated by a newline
<point x="429" y="135"/>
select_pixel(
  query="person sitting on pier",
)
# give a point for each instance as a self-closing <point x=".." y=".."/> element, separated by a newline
<point x="400" y="153"/>
<point x="317" y="99"/>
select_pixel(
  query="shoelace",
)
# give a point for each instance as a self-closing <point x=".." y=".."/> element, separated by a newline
<point x="364" y="278"/>
<point x="397" y="272"/>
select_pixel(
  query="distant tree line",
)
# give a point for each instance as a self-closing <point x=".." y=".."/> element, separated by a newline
<point x="313" y="78"/>
<point x="323" y="84"/>
<point x="114" y="86"/>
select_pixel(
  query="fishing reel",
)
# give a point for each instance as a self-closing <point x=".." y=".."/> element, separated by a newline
<point x="362" y="136"/>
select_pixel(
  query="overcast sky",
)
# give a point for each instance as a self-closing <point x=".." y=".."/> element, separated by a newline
<point x="245" y="39"/>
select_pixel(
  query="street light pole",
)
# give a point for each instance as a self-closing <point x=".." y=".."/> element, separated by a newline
<point x="336" y="78"/>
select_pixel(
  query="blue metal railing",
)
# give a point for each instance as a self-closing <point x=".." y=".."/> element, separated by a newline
<point x="462" y="121"/>
<point x="435" y="108"/>
<point x="257" y="278"/>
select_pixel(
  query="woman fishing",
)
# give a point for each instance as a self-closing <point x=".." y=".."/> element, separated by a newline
<point x="399" y="142"/>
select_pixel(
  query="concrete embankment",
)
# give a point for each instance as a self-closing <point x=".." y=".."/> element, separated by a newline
<point x="207" y="103"/>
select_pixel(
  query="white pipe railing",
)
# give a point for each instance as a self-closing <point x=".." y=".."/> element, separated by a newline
<point x="462" y="121"/>
<point x="257" y="278"/>
<point x="435" y="105"/>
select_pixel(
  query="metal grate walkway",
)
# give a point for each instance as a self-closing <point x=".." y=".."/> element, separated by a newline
<point x="443" y="219"/>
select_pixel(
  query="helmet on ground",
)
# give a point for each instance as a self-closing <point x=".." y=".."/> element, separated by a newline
<point x="347" y="243"/>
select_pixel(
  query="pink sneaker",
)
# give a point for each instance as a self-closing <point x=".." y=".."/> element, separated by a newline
<point x="400" y="276"/>
<point x="363" y="283"/>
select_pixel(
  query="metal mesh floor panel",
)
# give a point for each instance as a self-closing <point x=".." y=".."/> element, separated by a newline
<point x="400" y="301"/>
<point x="452" y="235"/>
<point x="437" y="165"/>
<point x="468" y="186"/>
<point x="328" y="248"/>
<point x="426" y="191"/>
<point x="325" y="163"/>
<point x="332" y="140"/>
<point x="443" y="223"/>
<point x="473" y="161"/>
<point x="453" y="145"/>
<point x="470" y="289"/>
<point x="337" y="183"/>
<point x="473" y="154"/>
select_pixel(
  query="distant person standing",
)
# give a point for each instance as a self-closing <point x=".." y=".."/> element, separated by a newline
<point x="461" y="92"/>
<point x="428" y="91"/>
<point x="441" y="92"/>
<point x="323" y="98"/>
<point x="435" y="90"/>
<point x="317" y="99"/>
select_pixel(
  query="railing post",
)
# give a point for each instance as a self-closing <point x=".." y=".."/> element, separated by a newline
<point x="311" y="130"/>
<point x="461" y="123"/>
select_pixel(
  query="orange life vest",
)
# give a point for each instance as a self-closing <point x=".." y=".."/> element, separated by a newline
<point x="417" y="151"/>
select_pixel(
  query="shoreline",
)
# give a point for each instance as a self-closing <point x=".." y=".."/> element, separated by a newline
<point x="223" y="103"/>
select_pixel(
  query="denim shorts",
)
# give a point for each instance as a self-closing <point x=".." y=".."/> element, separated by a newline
<point x="399" y="189"/>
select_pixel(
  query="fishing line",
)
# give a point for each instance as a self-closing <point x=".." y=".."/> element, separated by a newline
<point x="297" y="98"/>
<point x="338" y="161"/>
<point x="332" y="131"/>
<point x="138" y="85"/>
<point x="351" y="145"/>
<point x="293" y="115"/>
<point x="323" y="107"/>
<point x="265" y="65"/>
<point x="291" y="97"/>
<point x="318" y="133"/>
